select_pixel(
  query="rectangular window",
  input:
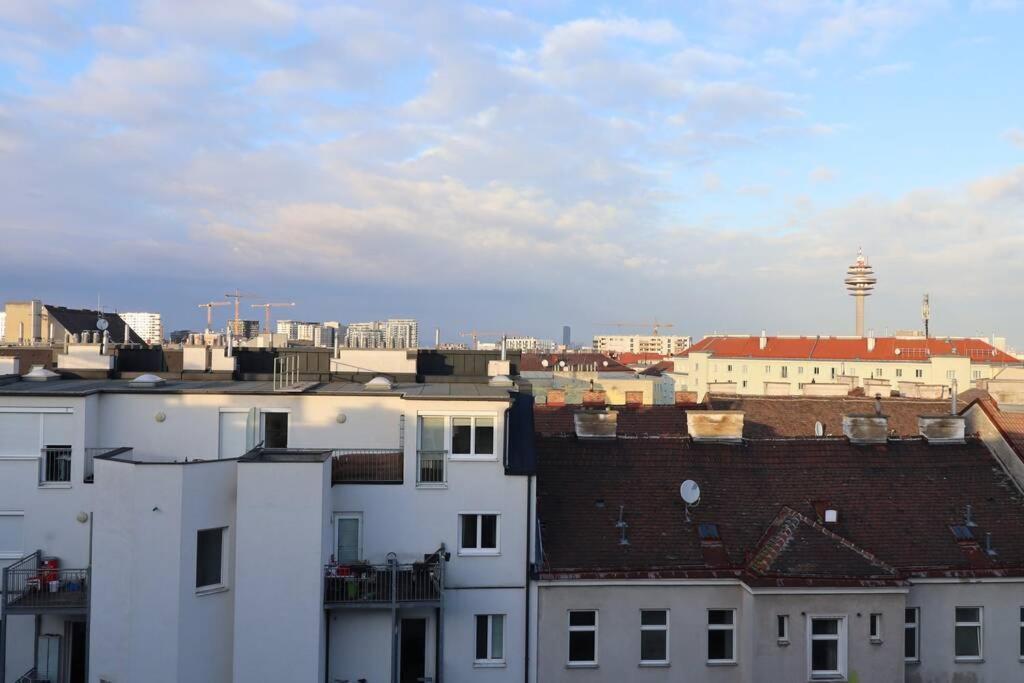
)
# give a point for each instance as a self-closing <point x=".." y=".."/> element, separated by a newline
<point x="55" y="464"/>
<point x="910" y="637"/>
<point x="209" y="558"/>
<point x="950" y="374"/>
<point x="472" y="436"/>
<point x="767" y="369"/>
<point x="785" y="371"/>
<point x="431" y="455"/>
<point x="899" y="372"/>
<point x="12" y="534"/>
<point x="878" y="372"/>
<point x="479" y="534"/>
<point x="728" y="368"/>
<point x="919" y="373"/>
<point x="817" y="371"/>
<point x="875" y="627"/>
<point x="653" y="636"/>
<point x="721" y="636"/>
<point x="583" y="638"/>
<point x="744" y="384"/>
<point x="827" y="647"/>
<point x="968" y="635"/>
<point x="275" y="430"/>
<point x="799" y="369"/>
<point x="490" y="640"/>
<point x="348" y="530"/>
<point x="782" y="628"/>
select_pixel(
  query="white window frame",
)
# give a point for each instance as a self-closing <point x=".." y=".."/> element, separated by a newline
<point x="841" y="647"/>
<point x="575" y="629"/>
<point x="491" y="662"/>
<point x="478" y="551"/>
<point x="875" y="627"/>
<point x="980" y="625"/>
<point x="358" y="516"/>
<point x="472" y="455"/>
<point x="916" y="627"/>
<point x="899" y="372"/>
<point x="783" y="620"/>
<point x="720" y="627"/>
<point x="14" y="553"/>
<point x="225" y="545"/>
<point x="656" y="627"/>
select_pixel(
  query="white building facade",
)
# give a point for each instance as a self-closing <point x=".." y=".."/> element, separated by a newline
<point x="149" y="326"/>
<point x="666" y="345"/>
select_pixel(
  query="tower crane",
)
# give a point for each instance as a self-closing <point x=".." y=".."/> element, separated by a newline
<point x="209" y="311"/>
<point x="476" y="334"/>
<point x="266" y="313"/>
<point x="655" y="326"/>
<point x="238" y="296"/>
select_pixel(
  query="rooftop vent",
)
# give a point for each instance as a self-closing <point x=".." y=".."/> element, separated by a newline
<point x="942" y="428"/>
<point x="596" y="424"/>
<point x="147" y="381"/>
<point x="866" y="429"/>
<point x="831" y="516"/>
<point x="40" y="374"/>
<point x="379" y="383"/>
<point x="715" y="425"/>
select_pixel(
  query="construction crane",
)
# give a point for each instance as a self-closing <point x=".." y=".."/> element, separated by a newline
<point x="209" y="311"/>
<point x="238" y="296"/>
<point x="476" y="334"/>
<point x="655" y="326"/>
<point x="266" y="313"/>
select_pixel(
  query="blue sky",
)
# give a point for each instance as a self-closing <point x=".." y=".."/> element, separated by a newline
<point x="518" y="166"/>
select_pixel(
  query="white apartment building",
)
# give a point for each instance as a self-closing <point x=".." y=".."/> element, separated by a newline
<point x="529" y="344"/>
<point x="374" y="531"/>
<point x="320" y="334"/>
<point x="394" y="333"/>
<point x="149" y="326"/>
<point x="666" y="345"/>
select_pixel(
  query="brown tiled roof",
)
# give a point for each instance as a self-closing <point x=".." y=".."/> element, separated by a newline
<point x="665" y="421"/>
<point x="768" y="417"/>
<point x="1009" y="423"/>
<point x="895" y="502"/>
<point x="658" y="368"/>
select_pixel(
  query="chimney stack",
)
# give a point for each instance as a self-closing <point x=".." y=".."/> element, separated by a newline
<point x="715" y="425"/>
<point x="763" y="342"/>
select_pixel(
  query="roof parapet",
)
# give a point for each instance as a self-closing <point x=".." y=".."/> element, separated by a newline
<point x="866" y="429"/>
<point x="942" y="428"/>
<point x="596" y="424"/>
<point x="715" y="425"/>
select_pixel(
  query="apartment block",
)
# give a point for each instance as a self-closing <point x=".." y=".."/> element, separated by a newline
<point x="665" y="345"/>
<point x="318" y="334"/>
<point x="394" y="333"/>
<point x="149" y="326"/>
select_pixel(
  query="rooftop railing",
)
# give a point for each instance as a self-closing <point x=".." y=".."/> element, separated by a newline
<point x="32" y="587"/>
<point x="384" y="585"/>
<point x="367" y="466"/>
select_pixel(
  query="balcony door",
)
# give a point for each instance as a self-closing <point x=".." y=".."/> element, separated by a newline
<point x="413" y="659"/>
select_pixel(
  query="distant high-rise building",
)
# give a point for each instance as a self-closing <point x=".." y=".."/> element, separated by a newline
<point x="149" y="326"/>
<point x="394" y="333"/>
<point x="244" y="329"/>
<point x="529" y="344"/>
<point x="320" y="334"/>
<point x="566" y="336"/>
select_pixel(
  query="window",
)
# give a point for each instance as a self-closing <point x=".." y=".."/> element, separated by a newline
<point x="275" y="430"/>
<point x="919" y="373"/>
<point x="490" y="640"/>
<point x="827" y="648"/>
<point x="767" y="369"/>
<point x="950" y="374"/>
<point x="479" y="534"/>
<point x="12" y="538"/>
<point x="817" y="371"/>
<point x="348" y="533"/>
<point x="209" y="558"/>
<point x="968" y="637"/>
<point x="875" y="627"/>
<point x="583" y="638"/>
<point x="744" y="384"/>
<point x="910" y="634"/>
<point x="472" y="436"/>
<point x="721" y="636"/>
<point x="878" y="372"/>
<point x="744" y="370"/>
<point x="976" y="374"/>
<point x="430" y="456"/>
<point x="785" y="371"/>
<point x="728" y="368"/>
<point x="799" y="369"/>
<point x="55" y="466"/>
<point x="653" y="636"/>
<point x="782" y="629"/>
<point x="899" y="372"/>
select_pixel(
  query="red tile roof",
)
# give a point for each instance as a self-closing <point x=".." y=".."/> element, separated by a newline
<point x="631" y="358"/>
<point x="769" y="417"/>
<point x="850" y="348"/>
<point x="533" y="362"/>
<point x="895" y="502"/>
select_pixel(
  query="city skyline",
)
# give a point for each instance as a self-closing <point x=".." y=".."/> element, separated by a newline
<point x="715" y="166"/>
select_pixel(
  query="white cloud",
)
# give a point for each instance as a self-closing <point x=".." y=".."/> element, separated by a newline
<point x="823" y="174"/>
<point x="1015" y="136"/>
<point x="886" y="70"/>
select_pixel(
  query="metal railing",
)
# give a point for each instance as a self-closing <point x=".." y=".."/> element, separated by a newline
<point x="286" y="372"/>
<point x="55" y="465"/>
<point x="31" y="587"/>
<point x="367" y="466"/>
<point x="384" y="585"/>
<point x="28" y="677"/>
<point x="93" y="453"/>
<point x="430" y="467"/>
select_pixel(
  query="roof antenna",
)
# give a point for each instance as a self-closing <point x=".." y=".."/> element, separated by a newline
<point x="969" y="516"/>
<point x="622" y="525"/>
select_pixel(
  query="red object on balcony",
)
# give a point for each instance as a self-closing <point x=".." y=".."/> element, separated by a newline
<point x="48" y="569"/>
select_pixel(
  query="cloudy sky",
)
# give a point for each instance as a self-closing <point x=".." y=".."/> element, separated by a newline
<point x="518" y="166"/>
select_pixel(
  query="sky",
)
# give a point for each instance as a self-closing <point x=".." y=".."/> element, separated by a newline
<point x="513" y="167"/>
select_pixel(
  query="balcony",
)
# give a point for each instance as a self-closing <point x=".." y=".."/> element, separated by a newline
<point x="92" y="453"/>
<point x="419" y="584"/>
<point x="32" y="587"/>
<point x="430" y="468"/>
<point x="367" y="466"/>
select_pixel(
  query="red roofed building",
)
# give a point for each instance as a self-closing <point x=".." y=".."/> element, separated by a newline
<point x="816" y="366"/>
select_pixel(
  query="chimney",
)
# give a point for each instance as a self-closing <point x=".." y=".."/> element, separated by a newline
<point x="952" y="398"/>
<point x="715" y="425"/>
<point x="594" y="398"/>
<point x="595" y="424"/>
<point x="871" y="340"/>
<point x="939" y="429"/>
<point x="685" y="398"/>
<point x="866" y="429"/>
<point x="556" y="397"/>
<point x="634" y="398"/>
<point x="763" y="342"/>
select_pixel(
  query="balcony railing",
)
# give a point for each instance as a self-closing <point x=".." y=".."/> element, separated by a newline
<point x="430" y="467"/>
<point x="384" y="585"/>
<point x="55" y="465"/>
<point x="93" y="453"/>
<point x="367" y="466"/>
<point x="32" y="587"/>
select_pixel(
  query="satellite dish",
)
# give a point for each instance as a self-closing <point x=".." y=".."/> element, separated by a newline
<point x="689" y="491"/>
<point x="562" y="364"/>
<point x="102" y="324"/>
<point x="819" y="429"/>
<point x="544" y="363"/>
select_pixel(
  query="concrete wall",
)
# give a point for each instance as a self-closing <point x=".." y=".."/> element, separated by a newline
<point x="279" y="557"/>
